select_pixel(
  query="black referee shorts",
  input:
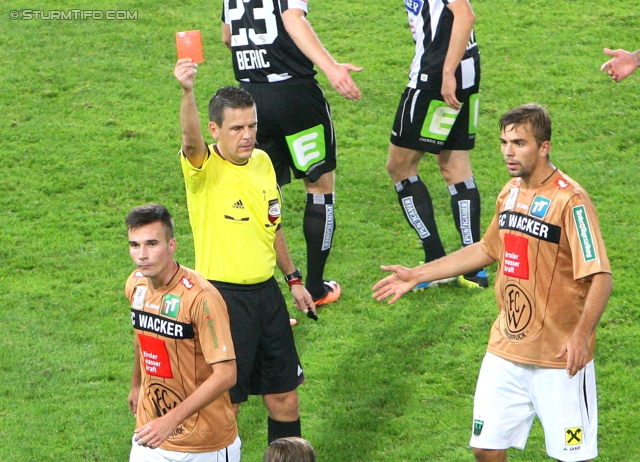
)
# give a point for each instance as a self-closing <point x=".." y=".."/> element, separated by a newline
<point x="266" y="356"/>
<point x="294" y="127"/>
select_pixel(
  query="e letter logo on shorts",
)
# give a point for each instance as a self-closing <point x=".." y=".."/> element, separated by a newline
<point x="474" y="113"/>
<point x="440" y="118"/>
<point x="307" y="147"/>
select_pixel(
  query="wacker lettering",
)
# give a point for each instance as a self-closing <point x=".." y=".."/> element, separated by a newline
<point x="159" y="325"/>
<point x="537" y="228"/>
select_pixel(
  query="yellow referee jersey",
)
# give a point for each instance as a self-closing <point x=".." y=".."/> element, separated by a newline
<point x="234" y="211"/>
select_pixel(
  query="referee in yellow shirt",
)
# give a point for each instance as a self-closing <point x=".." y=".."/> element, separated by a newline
<point x="234" y="209"/>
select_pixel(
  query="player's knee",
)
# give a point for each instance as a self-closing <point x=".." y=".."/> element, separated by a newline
<point x="282" y="406"/>
<point x="489" y="455"/>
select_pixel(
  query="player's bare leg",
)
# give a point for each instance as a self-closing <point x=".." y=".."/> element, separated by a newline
<point x="284" y="415"/>
<point x="319" y="226"/>
<point x="490" y="455"/>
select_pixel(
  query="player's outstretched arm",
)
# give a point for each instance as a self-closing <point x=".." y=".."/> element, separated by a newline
<point x="193" y="144"/>
<point x="623" y="64"/>
<point x="577" y="348"/>
<point x="395" y="285"/>
<point x="154" y="433"/>
<point x="465" y="260"/>
<point x="463" y="20"/>
<point x="305" y="38"/>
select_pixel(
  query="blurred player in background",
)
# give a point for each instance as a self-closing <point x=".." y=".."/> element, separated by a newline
<point x="290" y="450"/>
<point x="438" y="113"/>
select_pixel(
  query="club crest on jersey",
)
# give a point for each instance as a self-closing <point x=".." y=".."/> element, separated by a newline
<point x="138" y="298"/>
<point x="539" y="207"/>
<point x="477" y="427"/>
<point x="274" y="210"/>
<point x="413" y="6"/>
<point x="170" y="306"/>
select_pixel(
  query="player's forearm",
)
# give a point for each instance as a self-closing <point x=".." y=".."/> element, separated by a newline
<point x="226" y="35"/>
<point x="283" y="258"/>
<point x="136" y="374"/>
<point x="192" y="140"/>
<point x="305" y="38"/>
<point x="594" y="305"/>
<point x="463" y="21"/>
<point x="465" y="260"/>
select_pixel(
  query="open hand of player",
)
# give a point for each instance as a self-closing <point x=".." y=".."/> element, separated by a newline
<point x="154" y="433"/>
<point x="622" y="65"/>
<point x="448" y="92"/>
<point x="577" y="352"/>
<point x="133" y="399"/>
<point x="394" y="285"/>
<point x="185" y="71"/>
<point x="340" y="78"/>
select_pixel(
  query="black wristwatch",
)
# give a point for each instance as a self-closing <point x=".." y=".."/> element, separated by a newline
<point x="297" y="274"/>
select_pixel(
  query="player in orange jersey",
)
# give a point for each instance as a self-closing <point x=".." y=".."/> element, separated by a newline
<point x="552" y="284"/>
<point x="184" y="359"/>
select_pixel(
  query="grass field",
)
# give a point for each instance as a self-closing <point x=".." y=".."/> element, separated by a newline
<point x="89" y="129"/>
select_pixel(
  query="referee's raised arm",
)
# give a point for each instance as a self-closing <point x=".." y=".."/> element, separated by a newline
<point x="194" y="147"/>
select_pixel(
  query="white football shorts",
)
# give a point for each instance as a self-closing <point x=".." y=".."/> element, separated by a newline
<point x="509" y="395"/>
<point x="143" y="454"/>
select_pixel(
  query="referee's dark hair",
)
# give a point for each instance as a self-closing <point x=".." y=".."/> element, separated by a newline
<point x="151" y="213"/>
<point x="533" y="114"/>
<point x="228" y="97"/>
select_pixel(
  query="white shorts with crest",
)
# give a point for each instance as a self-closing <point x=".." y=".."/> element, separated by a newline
<point x="510" y="395"/>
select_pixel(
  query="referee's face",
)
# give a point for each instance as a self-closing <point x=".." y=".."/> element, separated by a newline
<point x="237" y="134"/>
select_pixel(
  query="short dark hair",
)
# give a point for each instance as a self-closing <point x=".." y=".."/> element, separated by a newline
<point x="228" y="97"/>
<point x="151" y="213"/>
<point x="291" y="449"/>
<point x="533" y="114"/>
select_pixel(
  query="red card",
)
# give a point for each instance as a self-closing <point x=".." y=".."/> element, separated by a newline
<point x="189" y="45"/>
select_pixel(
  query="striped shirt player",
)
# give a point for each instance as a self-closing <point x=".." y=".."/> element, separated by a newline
<point x="274" y="49"/>
<point x="438" y="114"/>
